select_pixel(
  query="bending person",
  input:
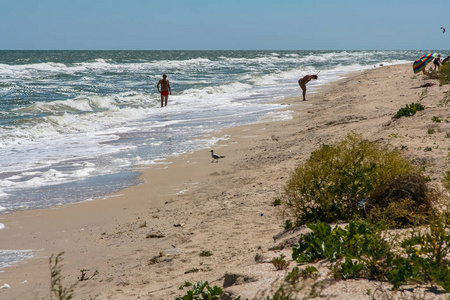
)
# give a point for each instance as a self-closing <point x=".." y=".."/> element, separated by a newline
<point x="303" y="81"/>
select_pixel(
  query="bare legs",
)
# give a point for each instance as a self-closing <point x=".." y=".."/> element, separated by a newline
<point x="164" y="100"/>
<point x="303" y="86"/>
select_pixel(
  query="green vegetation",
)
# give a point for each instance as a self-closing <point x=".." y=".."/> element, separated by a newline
<point x="409" y="110"/>
<point x="357" y="240"/>
<point x="436" y="119"/>
<point x="402" y="201"/>
<point x="193" y="270"/>
<point x="205" y="253"/>
<point x="444" y="74"/>
<point x="202" y="291"/>
<point x="276" y="202"/>
<point x="360" y="251"/>
<point x="373" y="190"/>
<point x="296" y="274"/>
<point x="58" y="291"/>
<point x="185" y="284"/>
<point x="280" y="263"/>
<point x="287" y="225"/>
<point x="281" y="294"/>
<point x="337" y="182"/>
<point x="446" y="180"/>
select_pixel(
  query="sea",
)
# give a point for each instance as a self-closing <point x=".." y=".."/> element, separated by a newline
<point x="75" y="125"/>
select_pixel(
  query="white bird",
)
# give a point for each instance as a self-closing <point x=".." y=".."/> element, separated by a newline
<point x="215" y="156"/>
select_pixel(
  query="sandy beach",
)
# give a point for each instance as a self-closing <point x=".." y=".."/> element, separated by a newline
<point x="189" y="204"/>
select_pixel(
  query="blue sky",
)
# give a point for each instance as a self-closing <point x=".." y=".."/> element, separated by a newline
<point x="224" y="25"/>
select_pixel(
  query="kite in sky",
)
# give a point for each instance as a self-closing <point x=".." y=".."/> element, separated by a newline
<point x="443" y="29"/>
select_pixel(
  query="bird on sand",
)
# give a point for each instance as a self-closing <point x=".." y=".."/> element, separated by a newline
<point x="216" y="156"/>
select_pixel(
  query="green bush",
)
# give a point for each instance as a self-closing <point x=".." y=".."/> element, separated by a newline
<point x="359" y="243"/>
<point x="426" y="257"/>
<point x="360" y="251"/>
<point x="334" y="183"/>
<point x="409" y="110"/>
<point x="444" y="74"/>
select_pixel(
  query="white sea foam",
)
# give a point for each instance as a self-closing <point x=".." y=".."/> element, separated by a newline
<point x="102" y="116"/>
<point x="10" y="257"/>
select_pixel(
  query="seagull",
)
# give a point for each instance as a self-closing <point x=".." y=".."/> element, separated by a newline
<point x="215" y="156"/>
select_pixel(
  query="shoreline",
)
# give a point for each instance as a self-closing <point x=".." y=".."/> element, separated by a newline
<point x="225" y="207"/>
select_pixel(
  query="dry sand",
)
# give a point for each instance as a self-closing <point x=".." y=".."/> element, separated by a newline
<point x="225" y="207"/>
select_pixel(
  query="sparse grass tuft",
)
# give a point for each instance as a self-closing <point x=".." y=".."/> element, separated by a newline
<point x="446" y="180"/>
<point x="280" y="263"/>
<point x="276" y="202"/>
<point x="436" y="119"/>
<point x="56" y="287"/>
<point x="205" y="253"/>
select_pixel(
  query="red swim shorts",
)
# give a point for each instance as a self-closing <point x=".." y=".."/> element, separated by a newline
<point x="165" y="93"/>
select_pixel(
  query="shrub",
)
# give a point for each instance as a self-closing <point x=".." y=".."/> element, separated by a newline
<point x="426" y="259"/>
<point x="361" y="252"/>
<point x="409" y="110"/>
<point x="359" y="243"/>
<point x="403" y="200"/>
<point x="334" y="182"/>
<point x="444" y="74"/>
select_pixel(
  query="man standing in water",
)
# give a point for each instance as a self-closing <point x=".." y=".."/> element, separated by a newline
<point x="303" y="81"/>
<point x="165" y="89"/>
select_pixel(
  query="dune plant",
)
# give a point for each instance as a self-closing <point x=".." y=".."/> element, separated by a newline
<point x="444" y="74"/>
<point x="409" y="110"/>
<point x="280" y="263"/>
<point x="84" y="275"/>
<point x="336" y="180"/>
<point x="202" y="291"/>
<point x="436" y="119"/>
<point x="58" y="290"/>
<point x="206" y="253"/>
<point x="360" y="251"/>
<point x="401" y="201"/>
<point x="359" y="243"/>
<point x="287" y="224"/>
<point x="426" y="257"/>
<point x="446" y="180"/>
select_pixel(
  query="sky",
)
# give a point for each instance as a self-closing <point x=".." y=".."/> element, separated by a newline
<point x="224" y="25"/>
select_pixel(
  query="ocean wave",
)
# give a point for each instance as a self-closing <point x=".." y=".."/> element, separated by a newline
<point x="87" y="117"/>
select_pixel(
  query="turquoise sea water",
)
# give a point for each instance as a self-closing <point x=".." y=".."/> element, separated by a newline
<point x="73" y="124"/>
